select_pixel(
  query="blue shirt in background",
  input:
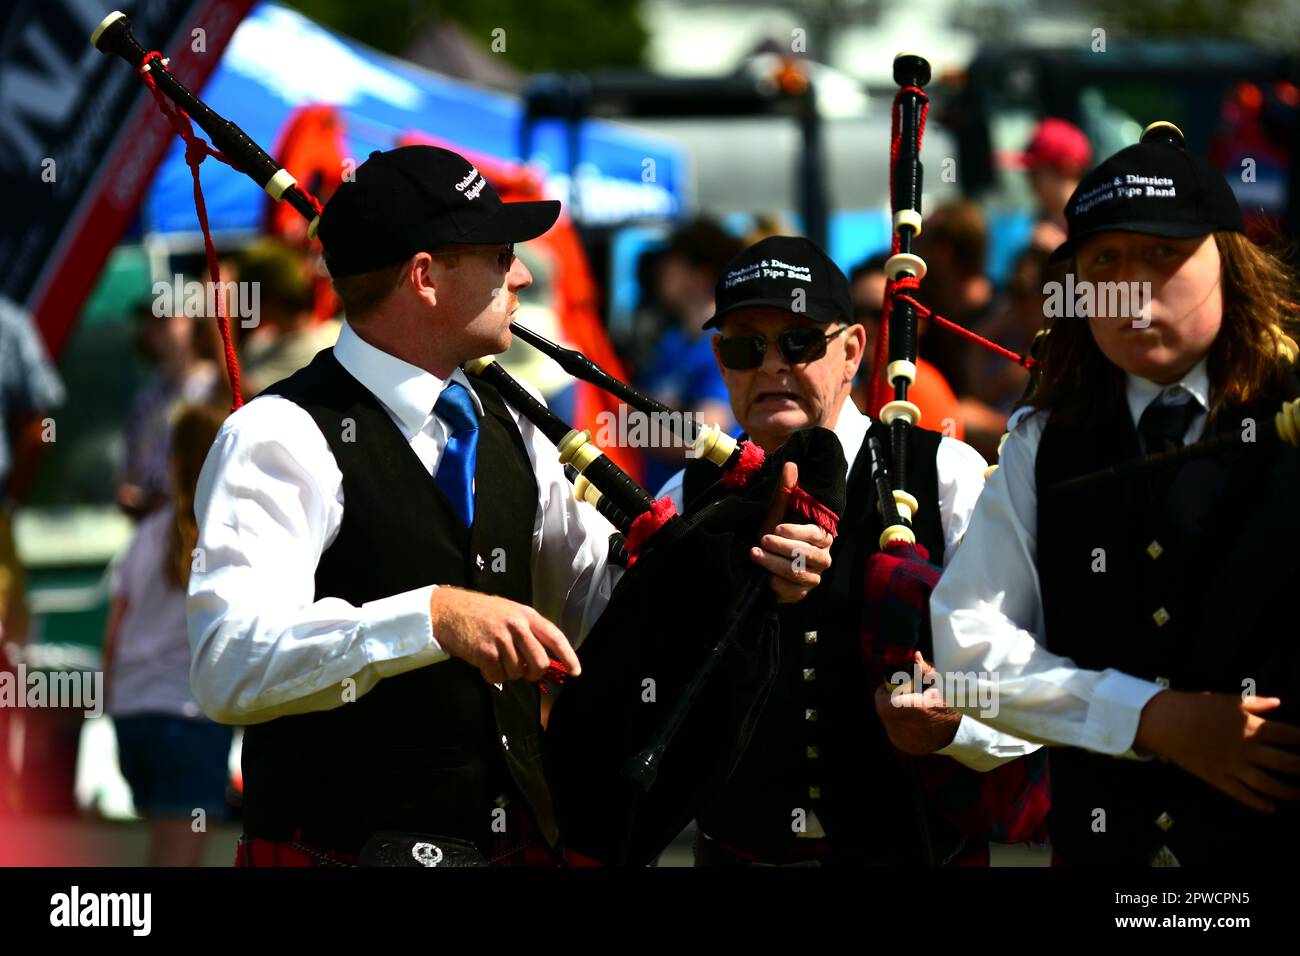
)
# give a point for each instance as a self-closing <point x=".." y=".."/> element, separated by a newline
<point x="683" y="375"/>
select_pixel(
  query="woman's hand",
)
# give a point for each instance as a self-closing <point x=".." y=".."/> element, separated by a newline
<point x="1221" y="739"/>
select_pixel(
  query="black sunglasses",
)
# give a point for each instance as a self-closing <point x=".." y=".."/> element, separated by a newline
<point x="741" y="352"/>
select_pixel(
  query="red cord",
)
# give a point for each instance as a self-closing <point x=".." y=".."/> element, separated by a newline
<point x="196" y="150"/>
<point x="895" y="289"/>
<point x="922" y="312"/>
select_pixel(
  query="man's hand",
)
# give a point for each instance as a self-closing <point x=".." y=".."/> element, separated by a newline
<point x="796" y="554"/>
<point x="917" y="723"/>
<point x="1219" y="738"/>
<point x="505" y="640"/>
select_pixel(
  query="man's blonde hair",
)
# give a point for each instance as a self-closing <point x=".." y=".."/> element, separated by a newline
<point x="365" y="292"/>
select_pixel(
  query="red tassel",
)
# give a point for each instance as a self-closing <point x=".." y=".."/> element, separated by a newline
<point x="746" y="466"/>
<point x="812" y="509"/>
<point x="555" y="674"/>
<point x="646" y="525"/>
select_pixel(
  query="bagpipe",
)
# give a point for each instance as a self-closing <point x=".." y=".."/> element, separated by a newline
<point x="1283" y="427"/>
<point x="676" y="667"/>
<point x="901" y="568"/>
<point x="1009" y="803"/>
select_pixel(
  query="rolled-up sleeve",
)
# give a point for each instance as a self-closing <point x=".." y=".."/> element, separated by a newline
<point x="268" y="503"/>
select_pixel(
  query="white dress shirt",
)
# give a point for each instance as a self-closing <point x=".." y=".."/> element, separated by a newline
<point x="961" y="479"/>
<point x="987" y="611"/>
<point x="270" y="502"/>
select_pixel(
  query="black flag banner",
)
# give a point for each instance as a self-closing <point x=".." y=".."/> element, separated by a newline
<point x="80" y="138"/>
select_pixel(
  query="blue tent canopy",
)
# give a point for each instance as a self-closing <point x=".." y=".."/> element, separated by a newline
<point x="278" y="61"/>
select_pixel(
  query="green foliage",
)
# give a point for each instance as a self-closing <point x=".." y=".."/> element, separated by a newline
<point x="1268" y="21"/>
<point x="539" y="36"/>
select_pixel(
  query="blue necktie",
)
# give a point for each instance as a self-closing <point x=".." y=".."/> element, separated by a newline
<point x="456" y="470"/>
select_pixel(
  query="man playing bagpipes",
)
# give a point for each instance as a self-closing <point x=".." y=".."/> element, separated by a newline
<point x="391" y="555"/>
<point x="828" y="777"/>
<point x="360" y="643"/>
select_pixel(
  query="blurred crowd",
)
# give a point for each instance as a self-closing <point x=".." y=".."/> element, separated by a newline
<point x="171" y="755"/>
<point x="174" y="759"/>
<point x="963" y="391"/>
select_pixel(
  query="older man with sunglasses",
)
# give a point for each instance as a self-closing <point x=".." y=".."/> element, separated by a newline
<point x="820" y="781"/>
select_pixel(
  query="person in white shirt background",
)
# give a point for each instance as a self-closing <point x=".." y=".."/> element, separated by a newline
<point x="1141" y="624"/>
<point x="788" y="351"/>
<point x="173" y="757"/>
<point x="319" y="620"/>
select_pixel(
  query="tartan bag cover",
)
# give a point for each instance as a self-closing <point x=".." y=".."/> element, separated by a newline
<point x="1007" y="804"/>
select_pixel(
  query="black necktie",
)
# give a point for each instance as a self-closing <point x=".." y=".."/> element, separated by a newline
<point x="1164" y="423"/>
<point x="456" y="470"/>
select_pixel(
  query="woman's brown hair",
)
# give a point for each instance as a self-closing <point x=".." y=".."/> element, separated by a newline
<point x="1261" y="305"/>
<point x="193" y="433"/>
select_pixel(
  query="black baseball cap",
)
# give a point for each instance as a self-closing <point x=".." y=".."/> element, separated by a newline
<point x="774" y="271"/>
<point x="415" y="198"/>
<point x="1154" y="187"/>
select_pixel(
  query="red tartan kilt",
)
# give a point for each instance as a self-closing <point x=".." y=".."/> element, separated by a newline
<point x="1007" y="804"/>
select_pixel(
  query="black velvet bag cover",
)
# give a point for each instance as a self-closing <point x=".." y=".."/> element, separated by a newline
<point x="661" y="624"/>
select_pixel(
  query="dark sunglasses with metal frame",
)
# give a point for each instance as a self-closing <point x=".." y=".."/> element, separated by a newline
<point x="798" y="346"/>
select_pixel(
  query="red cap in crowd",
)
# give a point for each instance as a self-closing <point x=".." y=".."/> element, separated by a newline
<point x="1057" y="144"/>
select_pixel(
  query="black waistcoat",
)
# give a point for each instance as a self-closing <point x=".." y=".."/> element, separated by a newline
<point x="1199" y="571"/>
<point x="818" y="745"/>
<point x="433" y="749"/>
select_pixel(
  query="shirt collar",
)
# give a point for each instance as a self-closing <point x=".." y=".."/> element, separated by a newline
<point x="407" y="391"/>
<point x="851" y="429"/>
<point x="1141" y="392"/>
